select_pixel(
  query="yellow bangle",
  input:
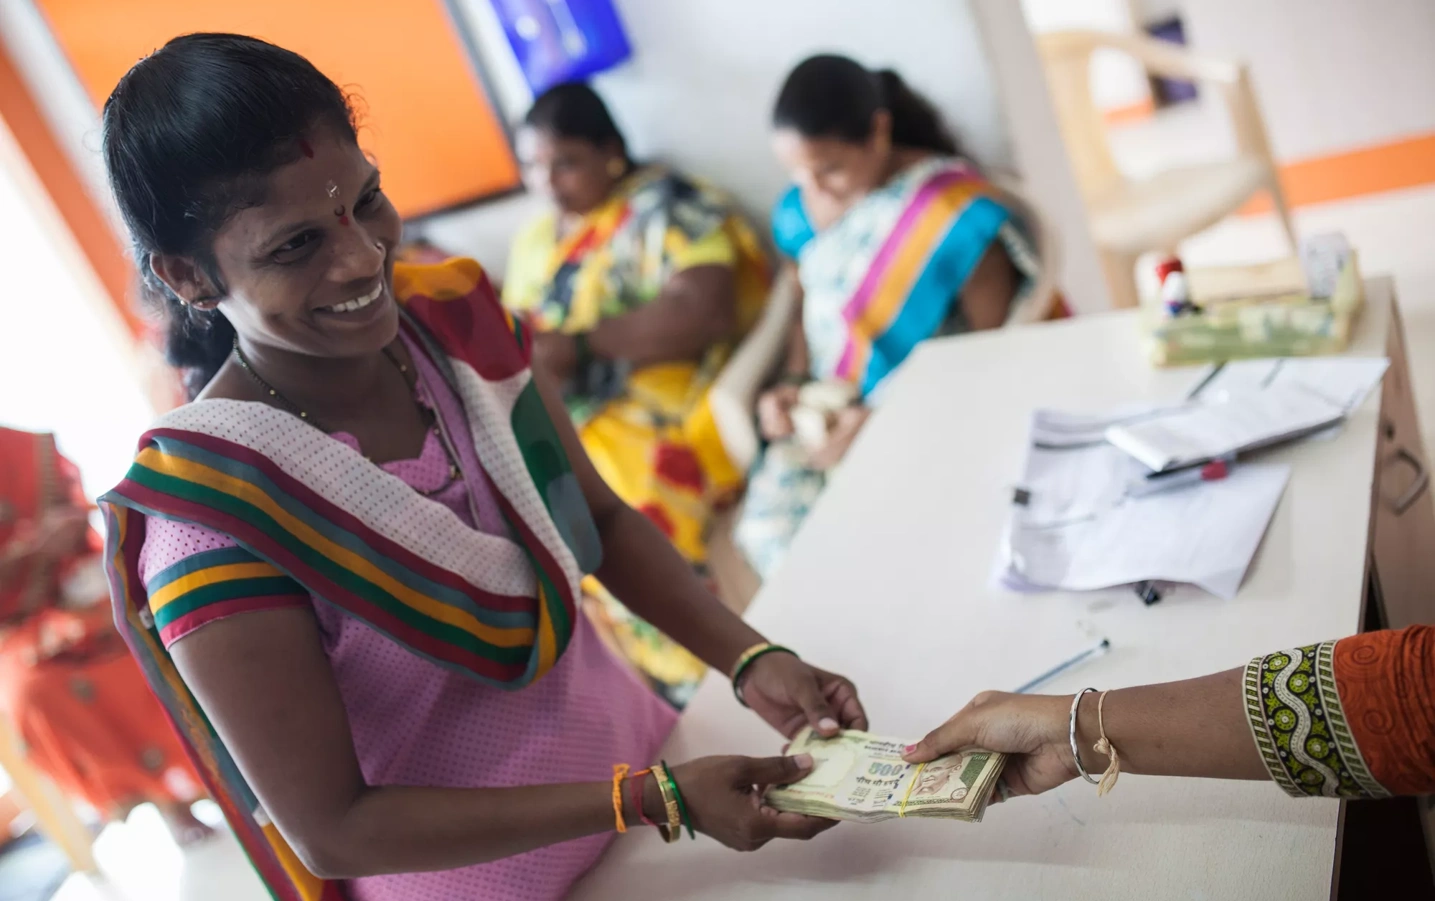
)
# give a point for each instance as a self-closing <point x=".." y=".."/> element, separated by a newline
<point x="673" y="831"/>
<point x="745" y="658"/>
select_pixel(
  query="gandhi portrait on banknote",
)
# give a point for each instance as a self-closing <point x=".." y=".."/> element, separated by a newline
<point x="935" y="777"/>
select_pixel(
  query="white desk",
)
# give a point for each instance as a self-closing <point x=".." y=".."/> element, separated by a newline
<point x="889" y="584"/>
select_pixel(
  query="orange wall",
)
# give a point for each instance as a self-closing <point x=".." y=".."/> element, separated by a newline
<point x="1406" y="163"/>
<point x="425" y="116"/>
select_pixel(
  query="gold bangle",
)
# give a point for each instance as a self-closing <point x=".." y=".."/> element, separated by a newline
<point x="745" y="658"/>
<point x="673" y="831"/>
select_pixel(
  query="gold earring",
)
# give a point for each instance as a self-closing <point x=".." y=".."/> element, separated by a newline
<point x="616" y="168"/>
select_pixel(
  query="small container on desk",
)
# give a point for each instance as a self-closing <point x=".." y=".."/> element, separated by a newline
<point x="1262" y="310"/>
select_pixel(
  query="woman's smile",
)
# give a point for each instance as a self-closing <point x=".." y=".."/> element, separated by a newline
<point x="358" y="303"/>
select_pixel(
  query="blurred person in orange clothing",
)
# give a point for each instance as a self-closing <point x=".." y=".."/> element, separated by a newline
<point x="68" y="684"/>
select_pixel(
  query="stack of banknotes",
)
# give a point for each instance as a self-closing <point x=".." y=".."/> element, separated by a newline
<point x="862" y="777"/>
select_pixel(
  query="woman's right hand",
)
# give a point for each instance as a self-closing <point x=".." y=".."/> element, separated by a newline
<point x="774" y="411"/>
<point x="724" y="799"/>
<point x="1033" y="729"/>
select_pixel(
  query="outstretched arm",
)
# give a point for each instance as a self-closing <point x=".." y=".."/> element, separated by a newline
<point x="1363" y="707"/>
<point x="643" y="570"/>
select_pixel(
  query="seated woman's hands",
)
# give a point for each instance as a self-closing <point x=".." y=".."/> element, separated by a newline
<point x="724" y="799"/>
<point x="774" y="411"/>
<point x="774" y="420"/>
<point x="846" y="423"/>
<point x="789" y="693"/>
<point x="1033" y="729"/>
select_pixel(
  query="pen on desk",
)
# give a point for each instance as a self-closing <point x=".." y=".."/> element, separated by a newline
<point x="1201" y="385"/>
<point x="1100" y="647"/>
<point x="1157" y="482"/>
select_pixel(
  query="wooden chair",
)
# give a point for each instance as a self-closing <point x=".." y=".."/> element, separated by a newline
<point x="1131" y="217"/>
<point x="733" y="398"/>
<point x="52" y="810"/>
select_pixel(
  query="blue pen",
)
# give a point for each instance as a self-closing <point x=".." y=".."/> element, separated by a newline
<point x="1100" y="647"/>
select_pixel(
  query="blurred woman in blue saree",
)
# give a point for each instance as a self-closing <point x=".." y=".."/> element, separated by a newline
<point x="896" y="240"/>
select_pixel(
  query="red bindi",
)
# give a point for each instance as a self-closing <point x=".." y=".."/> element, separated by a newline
<point x="344" y="219"/>
<point x="306" y="149"/>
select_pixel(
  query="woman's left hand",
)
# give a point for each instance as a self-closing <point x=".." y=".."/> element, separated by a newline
<point x="790" y="694"/>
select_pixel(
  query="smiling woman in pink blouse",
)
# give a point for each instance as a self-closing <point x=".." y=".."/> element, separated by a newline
<point x="349" y="567"/>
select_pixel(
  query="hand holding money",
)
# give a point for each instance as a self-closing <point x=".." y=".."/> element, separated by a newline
<point x="862" y="777"/>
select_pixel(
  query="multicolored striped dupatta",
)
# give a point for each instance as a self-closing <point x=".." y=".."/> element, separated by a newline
<point x="314" y="510"/>
<point x="889" y="273"/>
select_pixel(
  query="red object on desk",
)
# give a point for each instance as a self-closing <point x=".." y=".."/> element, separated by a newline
<point x="1215" y="471"/>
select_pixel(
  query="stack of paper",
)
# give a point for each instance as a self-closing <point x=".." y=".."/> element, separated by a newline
<point x="1078" y="529"/>
<point x="1344" y="381"/>
<point x="1246" y="422"/>
<point x="1078" y="525"/>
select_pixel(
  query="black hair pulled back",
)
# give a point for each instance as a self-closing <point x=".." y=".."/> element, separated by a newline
<point x="189" y="133"/>
<point x="831" y="96"/>
<point x="574" y="110"/>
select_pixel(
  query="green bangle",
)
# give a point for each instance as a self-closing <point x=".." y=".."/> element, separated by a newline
<point x="747" y="661"/>
<point x="682" y="805"/>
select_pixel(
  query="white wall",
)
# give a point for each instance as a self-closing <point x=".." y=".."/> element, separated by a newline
<point x="699" y="89"/>
<point x="1332" y="75"/>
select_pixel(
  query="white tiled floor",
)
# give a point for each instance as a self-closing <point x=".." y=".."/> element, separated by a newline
<point x="1393" y="234"/>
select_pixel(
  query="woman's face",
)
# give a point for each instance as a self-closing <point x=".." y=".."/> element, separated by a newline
<point x="832" y="173"/>
<point x="309" y="269"/>
<point x="575" y="173"/>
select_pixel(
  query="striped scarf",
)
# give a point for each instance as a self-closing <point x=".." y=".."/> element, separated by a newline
<point x="313" y="517"/>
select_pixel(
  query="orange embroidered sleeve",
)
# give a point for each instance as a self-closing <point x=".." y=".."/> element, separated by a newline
<point x="1386" y="682"/>
<point x="1353" y="718"/>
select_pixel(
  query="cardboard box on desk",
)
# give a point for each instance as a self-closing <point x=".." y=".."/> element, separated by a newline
<point x="1261" y="310"/>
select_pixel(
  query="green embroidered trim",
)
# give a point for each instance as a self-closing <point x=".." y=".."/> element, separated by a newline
<point x="1300" y="728"/>
<point x="1339" y="727"/>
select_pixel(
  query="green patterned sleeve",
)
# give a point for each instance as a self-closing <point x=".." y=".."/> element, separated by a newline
<point x="1299" y="725"/>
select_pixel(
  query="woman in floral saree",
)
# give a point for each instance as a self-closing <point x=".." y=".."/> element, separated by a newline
<point x="638" y="282"/>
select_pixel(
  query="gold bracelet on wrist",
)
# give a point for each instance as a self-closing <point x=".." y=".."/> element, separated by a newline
<point x="673" y="830"/>
<point x="746" y="659"/>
